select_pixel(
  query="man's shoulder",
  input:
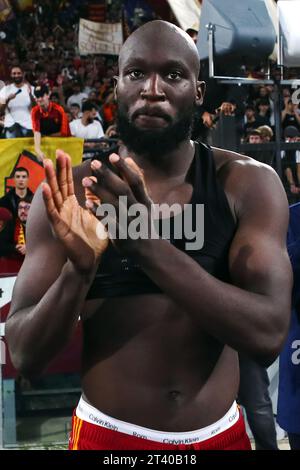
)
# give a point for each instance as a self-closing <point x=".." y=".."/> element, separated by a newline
<point x="58" y="107"/>
<point x="35" y="110"/>
<point x="236" y="163"/>
<point x="5" y="91"/>
<point x="249" y="184"/>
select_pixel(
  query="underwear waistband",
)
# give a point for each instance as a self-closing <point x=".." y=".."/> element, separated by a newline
<point x="88" y="413"/>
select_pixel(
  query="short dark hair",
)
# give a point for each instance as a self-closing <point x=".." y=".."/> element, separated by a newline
<point x="191" y="31"/>
<point x="21" y="168"/>
<point x="253" y="132"/>
<point x="40" y="91"/>
<point x="88" y="106"/>
<point x="28" y="198"/>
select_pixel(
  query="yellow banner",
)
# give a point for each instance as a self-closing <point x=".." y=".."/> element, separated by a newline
<point x="25" y="5"/>
<point x="20" y="152"/>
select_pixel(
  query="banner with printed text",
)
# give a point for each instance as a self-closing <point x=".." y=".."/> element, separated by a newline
<point x="99" y="38"/>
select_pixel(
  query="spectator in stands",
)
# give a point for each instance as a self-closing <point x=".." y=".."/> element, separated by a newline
<point x="288" y="409"/>
<point x="77" y="96"/>
<point x="6" y="230"/>
<point x="20" y="225"/>
<point x="193" y="33"/>
<point x="266" y="133"/>
<point x="254" y="137"/>
<point x="255" y="398"/>
<point x="87" y="127"/>
<point x="262" y="117"/>
<point x="21" y="191"/>
<point x="290" y="115"/>
<point x="291" y="160"/>
<point x="249" y="119"/>
<point x="48" y="119"/>
<point x="16" y="100"/>
<point x="75" y="111"/>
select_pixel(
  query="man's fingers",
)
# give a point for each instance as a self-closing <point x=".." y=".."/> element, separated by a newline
<point x="70" y="181"/>
<point x="51" y="208"/>
<point x="53" y="184"/>
<point x="61" y="170"/>
<point x="130" y="171"/>
<point x="96" y="192"/>
<point x="109" y="182"/>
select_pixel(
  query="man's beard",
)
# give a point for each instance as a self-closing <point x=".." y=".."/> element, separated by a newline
<point x="158" y="141"/>
<point x="18" y="81"/>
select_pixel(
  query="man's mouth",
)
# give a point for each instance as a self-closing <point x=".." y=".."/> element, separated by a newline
<point x="151" y="117"/>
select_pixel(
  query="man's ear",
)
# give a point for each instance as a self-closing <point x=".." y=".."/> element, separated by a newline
<point x="201" y="87"/>
<point x="115" y="79"/>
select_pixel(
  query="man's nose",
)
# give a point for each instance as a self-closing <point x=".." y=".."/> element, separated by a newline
<point x="153" y="88"/>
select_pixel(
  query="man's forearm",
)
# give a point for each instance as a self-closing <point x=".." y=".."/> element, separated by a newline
<point x="36" y="334"/>
<point x="37" y="141"/>
<point x="239" y="318"/>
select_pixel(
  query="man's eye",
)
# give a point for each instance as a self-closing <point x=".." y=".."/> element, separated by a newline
<point x="136" y="74"/>
<point x="174" y="75"/>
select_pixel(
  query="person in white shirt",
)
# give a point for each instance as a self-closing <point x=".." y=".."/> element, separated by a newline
<point x="78" y="96"/>
<point x="87" y="127"/>
<point x="16" y="101"/>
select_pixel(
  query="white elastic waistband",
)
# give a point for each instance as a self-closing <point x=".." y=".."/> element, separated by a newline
<point x="87" y="412"/>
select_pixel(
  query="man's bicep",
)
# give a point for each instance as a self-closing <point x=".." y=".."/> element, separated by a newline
<point x="260" y="264"/>
<point x="258" y="259"/>
<point x="43" y="262"/>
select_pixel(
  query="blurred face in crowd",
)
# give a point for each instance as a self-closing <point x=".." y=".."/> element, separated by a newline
<point x="74" y="110"/>
<point x="21" y="179"/>
<point x="16" y="75"/>
<point x="266" y="137"/>
<point x="263" y="108"/>
<point x="43" y="101"/>
<point x="23" y="210"/>
<point x="55" y="98"/>
<point x="157" y="89"/>
<point x="250" y="113"/>
<point x="263" y="92"/>
<point x="94" y="113"/>
<point x="254" y="139"/>
<point x="76" y="89"/>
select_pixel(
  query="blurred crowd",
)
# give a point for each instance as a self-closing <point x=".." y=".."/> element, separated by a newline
<point x="53" y="91"/>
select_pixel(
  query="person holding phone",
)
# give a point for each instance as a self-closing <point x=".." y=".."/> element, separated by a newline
<point x="16" y="101"/>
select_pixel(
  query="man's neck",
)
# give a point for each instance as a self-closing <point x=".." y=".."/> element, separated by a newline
<point x="84" y="121"/>
<point x="170" y="165"/>
<point x="45" y="107"/>
<point x="21" y="192"/>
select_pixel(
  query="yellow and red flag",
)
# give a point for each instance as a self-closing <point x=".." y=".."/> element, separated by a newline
<point x="20" y="152"/>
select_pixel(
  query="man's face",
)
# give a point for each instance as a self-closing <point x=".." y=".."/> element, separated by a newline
<point x="90" y="116"/>
<point x="156" y="93"/>
<point x="23" y="209"/>
<point x="2" y="225"/>
<point x="74" y="111"/>
<point x="254" y="139"/>
<point x="16" y="75"/>
<point x="43" y="101"/>
<point x="21" y="179"/>
<point x="249" y="113"/>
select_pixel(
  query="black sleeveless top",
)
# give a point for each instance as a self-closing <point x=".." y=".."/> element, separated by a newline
<point x="118" y="275"/>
